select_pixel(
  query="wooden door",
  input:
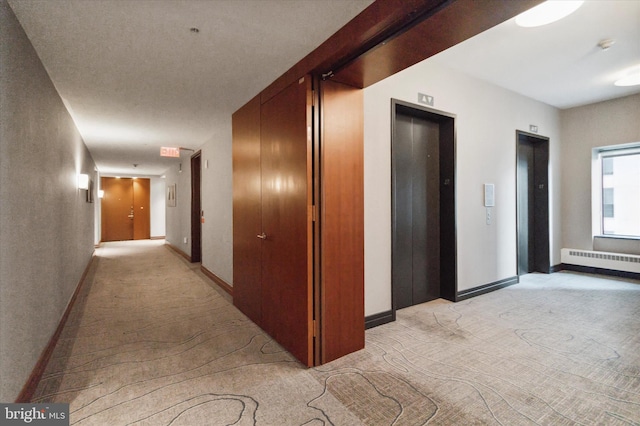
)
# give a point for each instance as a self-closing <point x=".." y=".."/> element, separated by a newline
<point x="247" y="211"/>
<point x="117" y="209"/>
<point x="126" y="205"/>
<point x="141" y="209"/>
<point x="294" y="276"/>
<point x="287" y="231"/>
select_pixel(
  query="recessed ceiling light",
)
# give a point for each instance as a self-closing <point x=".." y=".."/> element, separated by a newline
<point x="632" y="79"/>
<point x="548" y="12"/>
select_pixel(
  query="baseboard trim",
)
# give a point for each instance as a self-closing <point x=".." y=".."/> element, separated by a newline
<point x="556" y="268"/>
<point x="32" y="382"/>
<point x="487" y="288"/>
<point x="180" y="252"/>
<point x="379" y="319"/>
<point x="600" y="271"/>
<point x="216" y="279"/>
<point x="157" y="238"/>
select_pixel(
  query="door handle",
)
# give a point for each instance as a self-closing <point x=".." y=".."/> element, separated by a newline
<point x="262" y="236"/>
<point x="130" y="216"/>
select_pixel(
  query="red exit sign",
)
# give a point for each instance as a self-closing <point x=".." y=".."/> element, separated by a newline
<point x="167" y="151"/>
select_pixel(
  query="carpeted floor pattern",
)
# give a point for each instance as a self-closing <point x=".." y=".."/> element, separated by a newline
<point x="151" y="341"/>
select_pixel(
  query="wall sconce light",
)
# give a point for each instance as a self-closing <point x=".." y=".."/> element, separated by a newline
<point x="83" y="181"/>
<point x="100" y="193"/>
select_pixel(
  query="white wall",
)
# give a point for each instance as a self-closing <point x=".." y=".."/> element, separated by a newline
<point x="178" y="218"/>
<point x="46" y="225"/>
<point x="584" y="128"/>
<point x="158" y="213"/>
<point x="217" y="204"/>
<point x="487" y="118"/>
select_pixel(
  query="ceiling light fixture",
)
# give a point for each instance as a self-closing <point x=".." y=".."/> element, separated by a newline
<point x="548" y="12"/>
<point x="606" y="43"/>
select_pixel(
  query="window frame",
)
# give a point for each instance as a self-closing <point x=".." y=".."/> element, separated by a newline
<point x="599" y="154"/>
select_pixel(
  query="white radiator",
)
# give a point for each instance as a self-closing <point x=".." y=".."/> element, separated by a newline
<point x="601" y="259"/>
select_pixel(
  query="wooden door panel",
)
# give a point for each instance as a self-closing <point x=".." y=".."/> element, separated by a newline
<point x="141" y="209"/>
<point x="287" y="255"/>
<point x="247" y="211"/>
<point x="117" y="203"/>
<point x="342" y="221"/>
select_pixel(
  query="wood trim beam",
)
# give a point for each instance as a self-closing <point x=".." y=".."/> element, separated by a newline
<point x="29" y="388"/>
<point x="391" y="35"/>
<point x="378" y="21"/>
<point x="443" y="27"/>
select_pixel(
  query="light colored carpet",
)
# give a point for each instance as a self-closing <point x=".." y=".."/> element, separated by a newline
<point x="151" y="341"/>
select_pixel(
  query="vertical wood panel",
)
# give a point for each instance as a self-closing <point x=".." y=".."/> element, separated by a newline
<point x="141" y="206"/>
<point x="247" y="211"/>
<point x="116" y="207"/>
<point x="287" y="280"/>
<point x="342" y="220"/>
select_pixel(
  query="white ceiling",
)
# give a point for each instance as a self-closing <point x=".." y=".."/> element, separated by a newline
<point x="559" y="64"/>
<point x="134" y="77"/>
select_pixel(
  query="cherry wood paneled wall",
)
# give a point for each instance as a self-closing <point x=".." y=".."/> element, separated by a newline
<point x="298" y="219"/>
<point x="247" y="211"/>
<point x="341" y="220"/>
<point x="273" y="228"/>
<point x="287" y="258"/>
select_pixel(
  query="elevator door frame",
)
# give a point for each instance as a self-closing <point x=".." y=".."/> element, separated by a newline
<point x="541" y="256"/>
<point x="447" y="148"/>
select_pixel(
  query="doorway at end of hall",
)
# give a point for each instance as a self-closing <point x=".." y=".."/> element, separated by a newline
<point x="125" y="209"/>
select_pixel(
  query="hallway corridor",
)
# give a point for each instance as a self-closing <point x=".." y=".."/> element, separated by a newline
<point x="151" y="341"/>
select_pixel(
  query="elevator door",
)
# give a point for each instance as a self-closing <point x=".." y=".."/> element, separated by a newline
<point x="416" y="237"/>
<point x="533" y="203"/>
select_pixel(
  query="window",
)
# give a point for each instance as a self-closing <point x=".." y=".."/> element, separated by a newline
<point x="607" y="202"/>
<point x="619" y="191"/>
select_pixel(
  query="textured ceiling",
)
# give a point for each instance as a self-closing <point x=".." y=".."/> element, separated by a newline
<point x="135" y="78"/>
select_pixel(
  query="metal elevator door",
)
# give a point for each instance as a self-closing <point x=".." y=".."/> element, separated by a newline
<point x="532" y="204"/>
<point x="416" y="237"/>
